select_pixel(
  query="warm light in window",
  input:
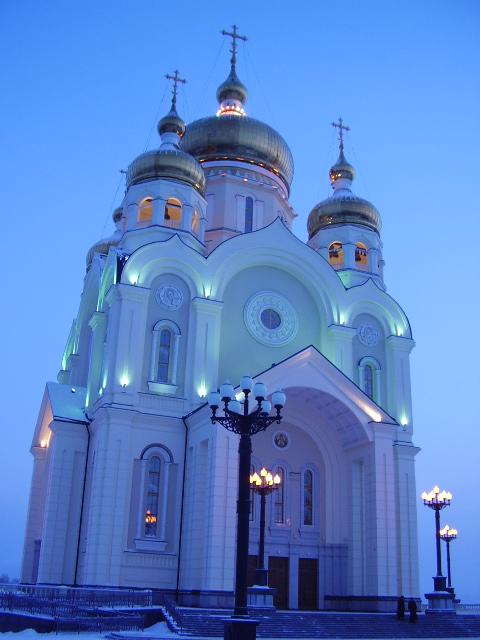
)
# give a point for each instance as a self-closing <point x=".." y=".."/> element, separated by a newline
<point x="145" y="210"/>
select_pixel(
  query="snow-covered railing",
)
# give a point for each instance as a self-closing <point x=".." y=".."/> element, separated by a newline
<point x="83" y="596"/>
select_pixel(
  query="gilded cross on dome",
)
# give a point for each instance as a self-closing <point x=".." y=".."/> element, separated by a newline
<point x="341" y="128"/>
<point x="235" y="36"/>
<point x="175" y="79"/>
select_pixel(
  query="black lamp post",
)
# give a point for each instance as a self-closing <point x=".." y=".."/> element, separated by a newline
<point x="263" y="484"/>
<point x="437" y="500"/>
<point x="246" y="423"/>
<point x="447" y="535"/>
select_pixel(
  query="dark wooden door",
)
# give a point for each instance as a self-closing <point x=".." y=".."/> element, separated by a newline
<point x="278" y="579"/>
<point x="252" y="566"/>
<point x="308" y="584"/>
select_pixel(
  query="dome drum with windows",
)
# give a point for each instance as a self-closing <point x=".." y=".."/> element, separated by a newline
<point x="343" y="207"/>
<point x="169" y="161"/>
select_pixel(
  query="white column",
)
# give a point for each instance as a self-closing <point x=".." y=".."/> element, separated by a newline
<point x="382" y="542"/>
<point x="397" y="388"/>
<point x="341" y="349"/>
<point x="98" y="326"/>
<point x="407" y="519"/>
<point x="127" y="326"/>
<point x="204" y="346"/>
<point x="36" y="508"/>
<point x="68" y="449"/>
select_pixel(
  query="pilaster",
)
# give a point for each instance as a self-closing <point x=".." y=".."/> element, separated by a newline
<point x="341" y="341"/>
<point x="398" y="388"/>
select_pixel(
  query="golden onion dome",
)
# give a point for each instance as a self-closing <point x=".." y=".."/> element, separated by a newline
<point x="169" y="161"/>
<point x="343" y="207"/>
<point x="232" y="137"/>
<point x="172" y="164"/>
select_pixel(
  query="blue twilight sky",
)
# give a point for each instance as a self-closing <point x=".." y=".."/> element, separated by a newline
<point x="82" y="87"/>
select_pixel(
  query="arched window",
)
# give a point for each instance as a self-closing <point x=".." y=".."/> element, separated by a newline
<point x="336" y="254"/>
<point x="279" y="499"/>
<point x="248" y="214"/>
<point x="153" y="493"/>
<point x="163" y="368"/>
<point x="195" y="222"/>
<point x="369" y="374"/>
<point x="173" y="213"/>
<point x="361" y="256"/>
<point x="145" y="210"/>
<point x="368" y="380"/>
<point x="153" y="482"/>
<point x="308" y="497"/>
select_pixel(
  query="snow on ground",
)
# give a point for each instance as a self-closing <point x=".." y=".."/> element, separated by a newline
<point x="159" y="631"/>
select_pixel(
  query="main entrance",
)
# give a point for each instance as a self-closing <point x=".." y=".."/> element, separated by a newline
<point x="278" y="579"/>
<point x="308" y="584"/>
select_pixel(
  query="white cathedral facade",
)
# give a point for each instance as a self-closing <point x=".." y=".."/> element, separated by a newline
<point x="203" y="280"/>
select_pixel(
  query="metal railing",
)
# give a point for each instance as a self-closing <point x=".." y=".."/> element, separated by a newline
<point x="84" y="596"/>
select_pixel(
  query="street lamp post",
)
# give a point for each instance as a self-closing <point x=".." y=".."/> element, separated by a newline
<point x="246" y="423"/>
<point x="263" y="485"/>
<point x="437" y="500"/>
<point x="447" y="535"/>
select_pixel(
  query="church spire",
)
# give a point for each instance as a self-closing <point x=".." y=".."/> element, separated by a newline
<point x="171" y="127"/>
<point x="342" y="172"/>
<point x="232" y="93"/>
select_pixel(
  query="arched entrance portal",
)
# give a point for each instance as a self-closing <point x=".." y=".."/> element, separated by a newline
<point x="312" y="544"/>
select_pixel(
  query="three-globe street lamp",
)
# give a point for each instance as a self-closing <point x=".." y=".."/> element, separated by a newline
<point x="246" y="423"/>
<point x="447" y="535"/>
<point x="437" y="500"/>
<point x="263" y="484"/>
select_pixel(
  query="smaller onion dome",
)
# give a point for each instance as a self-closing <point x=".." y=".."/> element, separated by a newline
<point x="103" y="245"/>
<point x="232" y="88"/>
<point x="343" y="207"/>
<point x="169" y="161"/>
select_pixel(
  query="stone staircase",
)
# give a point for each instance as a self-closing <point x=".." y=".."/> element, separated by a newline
<point x="299" y="624"/>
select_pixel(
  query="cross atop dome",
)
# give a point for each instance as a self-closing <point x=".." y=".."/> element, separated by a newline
<point x="235" y="36"/>
<point x="341" y="128"/>
<point x="175" y="79"/>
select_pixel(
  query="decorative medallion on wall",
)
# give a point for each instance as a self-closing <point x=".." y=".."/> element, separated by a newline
<point x="280" y="440"/>
<point x="169" y="297"/>
<point x="270" y="318"/>
<point x="368" y="335"/>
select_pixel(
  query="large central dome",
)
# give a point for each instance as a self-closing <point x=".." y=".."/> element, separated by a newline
<point x="231" y="135"/>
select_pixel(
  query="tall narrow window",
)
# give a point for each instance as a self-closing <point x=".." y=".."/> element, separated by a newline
<point x="248" y="214"/>
<point x="153" y="492"/>
<point x="164" y="356"/>
<point x="361" y="256"/>
<point x="335" y="254"/>
<point x="173" y="213"/>
<point x="368" y="380"/>
<point x="145" y="210"/>
<point x="195" y="222"/>
<point x="279" y="499"/>
<point x="308" y="497"/>
<point x="164" y="359"/>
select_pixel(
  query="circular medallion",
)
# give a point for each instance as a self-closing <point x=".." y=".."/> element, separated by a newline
<point x="280" y="440"/>
<point x="169" y="297"/>
<point x="270" y="318"/>
<point x="368" y="335"/>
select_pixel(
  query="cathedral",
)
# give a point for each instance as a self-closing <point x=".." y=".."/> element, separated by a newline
<point x="203" y="280"/>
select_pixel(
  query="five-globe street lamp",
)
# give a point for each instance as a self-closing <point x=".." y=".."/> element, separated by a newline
<point x="246" y="422"/>
<point x="263" y="484"/>
<point x="448" y="534"/>
<point x="437" y="500"/>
